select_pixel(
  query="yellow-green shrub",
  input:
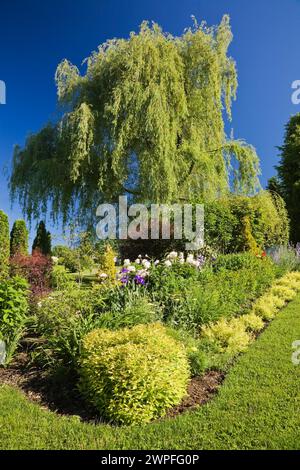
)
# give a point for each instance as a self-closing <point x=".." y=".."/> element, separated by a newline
<point x="293" y="275"/>
<point x="290" y="283"/>
<point x="267" y="306"/>
<point x="291" y="280"/>
<point x="133" y="375"/>
<point x="251" y="322"/>
<point x="283" y="292"/>
<point x="108" y="265"/>
<point x="226" y="338"/>
<point x="229" y="336"/>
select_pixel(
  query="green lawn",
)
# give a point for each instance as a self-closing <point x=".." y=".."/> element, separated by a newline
<point x="257" y="408"/>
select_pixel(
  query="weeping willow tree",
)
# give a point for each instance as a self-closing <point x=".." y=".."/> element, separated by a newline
<point x="146" y="118"/>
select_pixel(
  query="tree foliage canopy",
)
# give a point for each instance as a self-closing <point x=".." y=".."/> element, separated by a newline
<point x="146" y="118"/>
<point x="288" y="182"/>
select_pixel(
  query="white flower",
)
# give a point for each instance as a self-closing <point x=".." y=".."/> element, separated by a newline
<point x="168" y="263"/>
<point x="115" y="259"/>
<point x="137" y="261"/>
<point x="156" y="262"/>
<point x="103" y="275"/>
<point x="190" y="259"/>
<point x="127" y="262"/>
<point x="181" y="260"/>
<point x="172" y="255"/>
<point x="146" y="263"/>
<point x="131" y="269"/>
<point x="142" y="273"/>
<point x="55" y="259"/>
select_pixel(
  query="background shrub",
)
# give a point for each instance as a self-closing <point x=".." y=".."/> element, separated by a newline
<point x="237" y="261"/>
<point x="287" y="258"/>
<point x="60" y="278"/>
<point x="133" y="375"/>
<point x="108" y="265"/>
<point x="19" y="238"/>
<point x="36" y="268"/>
<point x="13" y="311"/>
<point x="4" y="244"/>
<point x="67" y="257"/>
<point x="230" y="223"/>
<point x="61" y="320"/>
<point x="64" y="317"/>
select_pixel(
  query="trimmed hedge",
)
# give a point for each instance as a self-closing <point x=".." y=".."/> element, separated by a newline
<point x="4" y="243"/>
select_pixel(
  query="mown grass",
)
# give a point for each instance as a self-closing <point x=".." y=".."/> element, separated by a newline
<point x="256" y="408"/>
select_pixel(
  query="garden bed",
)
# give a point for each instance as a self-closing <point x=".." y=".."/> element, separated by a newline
<point x="256" y="408"/>
<point x="59" y="393"/>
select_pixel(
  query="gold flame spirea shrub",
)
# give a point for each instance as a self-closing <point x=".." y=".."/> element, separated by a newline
<point x="282" y="291"/>
<point x="133" y="375"/>
<point x="228" y="336"/>
<point x="232" y="336"/>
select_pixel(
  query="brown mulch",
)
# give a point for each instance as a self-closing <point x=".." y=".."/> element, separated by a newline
<point x="59" y="394"/>
<point x="200" y="391"/>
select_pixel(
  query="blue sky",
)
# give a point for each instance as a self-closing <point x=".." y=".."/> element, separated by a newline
<point x="36" y="35"/>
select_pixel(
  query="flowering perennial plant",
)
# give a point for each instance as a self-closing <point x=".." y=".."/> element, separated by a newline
<point x="139" y="270"/>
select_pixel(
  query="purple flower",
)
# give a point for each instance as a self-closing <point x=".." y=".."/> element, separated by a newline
<point x="124" y="270"/>
<point x="124" y="280"/>
<point x="139" y="280"/>
<point x="201" y="260"/>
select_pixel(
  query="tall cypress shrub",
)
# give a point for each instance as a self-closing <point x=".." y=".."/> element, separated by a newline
<point x="42" y="241"/>
<point x="4" y="243"/>
<point x="19" y="238"/>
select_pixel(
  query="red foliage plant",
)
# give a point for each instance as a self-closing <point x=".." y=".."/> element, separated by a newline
<point x="36" y="268"/>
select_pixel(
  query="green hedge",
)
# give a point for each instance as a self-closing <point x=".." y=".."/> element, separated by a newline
<point x="19" y="238"/>
<point x="225" y="221"/>
<point x="4" y="243"/>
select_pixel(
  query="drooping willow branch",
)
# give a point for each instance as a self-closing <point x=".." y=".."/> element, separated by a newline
<point x="139" y="120"/>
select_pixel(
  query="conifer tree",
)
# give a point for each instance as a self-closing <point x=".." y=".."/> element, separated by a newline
<point x="19" y="238"/>
<point x="42" y="241"/>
